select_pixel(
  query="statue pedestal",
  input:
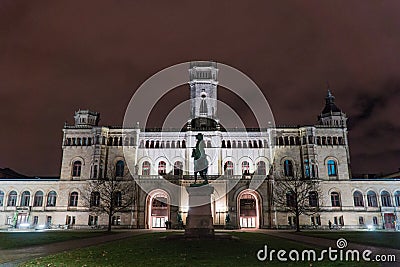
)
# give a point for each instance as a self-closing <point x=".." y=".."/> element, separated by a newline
<point x="199" y="222"/>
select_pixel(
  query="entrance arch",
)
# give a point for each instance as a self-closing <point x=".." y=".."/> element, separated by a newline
<point x="249" y="209"/>
<point x="158" y="208"/>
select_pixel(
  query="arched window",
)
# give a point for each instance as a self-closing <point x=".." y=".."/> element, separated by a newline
<point x="335" y="199"/>
<point x="183" y="144"/>
<point x="95" y="199"/>
<point x="38" y="199"/>
<point x="12" y="199"/>
<point x="307" y="168"/>
<point x="228" y="168"/>
<point x="162" y="168"/>
<point x="223" y="144"/>
<point x="119" y="168"/>
<point x="332" y="171"/>
<point x="371" y="199"/>
<point x="25" y="198"/>
<point x="313" y="199"/>
<point x="261" y="169"/>
<point x="73" y="199"/>
<point x="288" y="168"/>
<point x="76" y="168"/>
<point x="146" y="168"/>
<point x="117" y="198"/>
<point x="1" y="198"/>
<point x="228" y="144"/>
<point x="385" y="197"/>
<point x="52" y="199"/>
<point x="239" y="144"/>
<point x="178" y="168"/>
<point x="358" y="199"/>
<point x="209" y="144"/>
<point x="245" y="167"/>
<point x="396" y="198"/>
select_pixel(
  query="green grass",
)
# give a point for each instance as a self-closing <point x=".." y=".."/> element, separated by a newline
<point x="11" y="240"/>
<point x="374" y="238"/>
<point x="150" y="250"/>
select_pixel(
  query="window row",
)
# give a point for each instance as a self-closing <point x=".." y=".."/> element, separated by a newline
<point x="78" y="141"/>
<point x="25" y="201"/>
<point x="96" y="170"/>
<point x="310" y="168"/>
<point x="162" y="168"/>
<point x="371" y="197"/>
<point x="292" y="201"/>
<point x="162" y="144"/>
<point x="110" y="141"/>
<point x="243" y="144"/>
<point x="318" y="140"/>
<point x="95" y="199"/>
<point x="372" y="200"/>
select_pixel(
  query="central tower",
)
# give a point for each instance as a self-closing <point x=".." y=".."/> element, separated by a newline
<point x="203" y="89"/>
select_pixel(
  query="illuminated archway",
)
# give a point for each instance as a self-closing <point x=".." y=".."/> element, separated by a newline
<point x="158" y="209"/>
<point x="248" y="203"/>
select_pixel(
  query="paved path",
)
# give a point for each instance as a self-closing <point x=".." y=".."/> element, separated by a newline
<point x="13" y="257"/>
<point x="325" y="243"/>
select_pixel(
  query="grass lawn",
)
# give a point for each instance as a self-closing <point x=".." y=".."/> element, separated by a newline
<point x="150" y="250"/>
<point x="376" y="238"/>
<point x="11" y="240"/>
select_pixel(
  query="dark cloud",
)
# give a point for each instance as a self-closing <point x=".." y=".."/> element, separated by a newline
<point x="59" y="56"/>
<point x="368" y="103"/>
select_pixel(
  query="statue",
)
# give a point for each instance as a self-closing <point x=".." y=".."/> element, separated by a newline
<point x="227" y="219"/>
<point x="200" y="159"/>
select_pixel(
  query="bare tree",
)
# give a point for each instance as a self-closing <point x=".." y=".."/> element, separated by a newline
<point x="297" y="195"/>
<point x="109" y="195"/>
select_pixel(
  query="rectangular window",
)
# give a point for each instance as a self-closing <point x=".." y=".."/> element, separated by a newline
<point x="35" y="220"/>
<point x="93" y="220"/>
<point x="318" y="219"/>
<point x="116" y="220"/>
<point x="361" y="220"/>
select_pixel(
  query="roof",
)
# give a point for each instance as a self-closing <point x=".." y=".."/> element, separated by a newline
<point x="330" y="105"/>
<point x="9" y="174"/>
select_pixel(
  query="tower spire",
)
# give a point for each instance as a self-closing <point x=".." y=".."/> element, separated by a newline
<point x="331" y="115"/>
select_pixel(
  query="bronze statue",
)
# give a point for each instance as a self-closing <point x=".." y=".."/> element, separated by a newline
<point x="200" y="159"/>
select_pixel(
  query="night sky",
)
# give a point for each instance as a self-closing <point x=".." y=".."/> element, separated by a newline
<point x="59" y="56"/>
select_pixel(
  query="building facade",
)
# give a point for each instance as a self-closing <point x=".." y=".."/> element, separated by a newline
<point x="243" y="164"/>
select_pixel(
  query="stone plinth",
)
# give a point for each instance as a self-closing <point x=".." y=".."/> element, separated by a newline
<point x="199" y="222"/>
